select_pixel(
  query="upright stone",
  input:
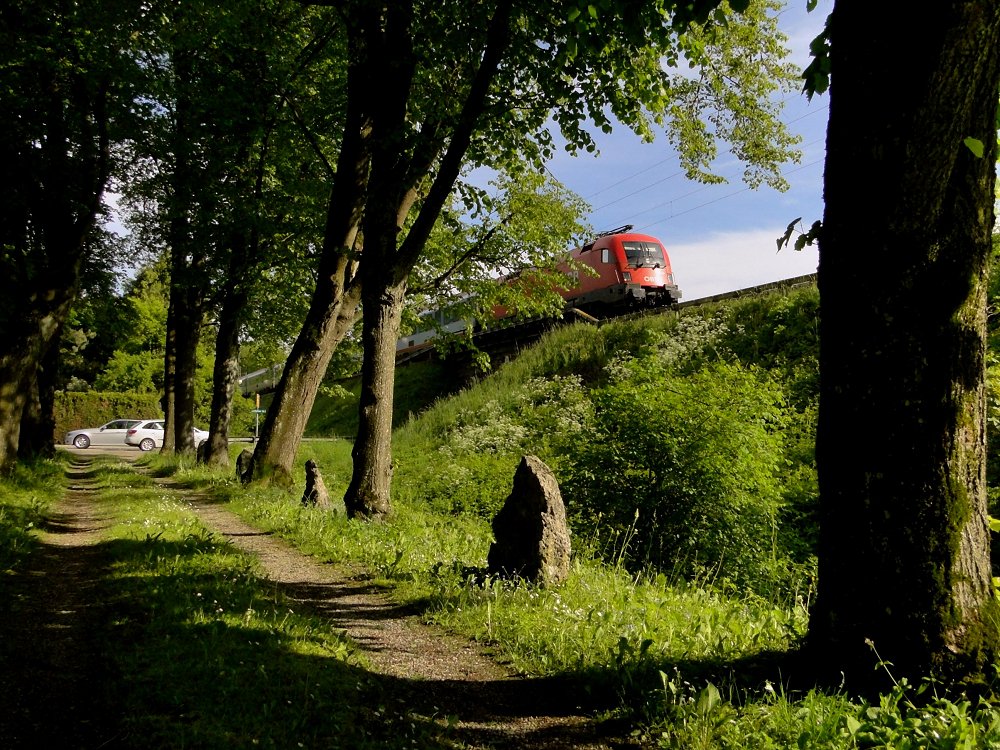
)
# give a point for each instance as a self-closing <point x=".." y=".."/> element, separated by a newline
<point x="243" y="465"/>
<point x="315" y="494"/>
<point x="532" y="535"/>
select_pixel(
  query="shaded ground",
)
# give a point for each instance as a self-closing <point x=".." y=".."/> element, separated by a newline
<point x="48" y="688"/>
<point x="50" y="684"/>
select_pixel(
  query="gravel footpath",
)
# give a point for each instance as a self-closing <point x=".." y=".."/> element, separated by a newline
<point x="439" y="674"/>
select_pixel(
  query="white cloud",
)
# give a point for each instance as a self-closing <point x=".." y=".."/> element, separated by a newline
<point x="727" y="261"/>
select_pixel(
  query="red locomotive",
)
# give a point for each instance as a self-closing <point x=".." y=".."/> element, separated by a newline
<point x="632" y="270"/>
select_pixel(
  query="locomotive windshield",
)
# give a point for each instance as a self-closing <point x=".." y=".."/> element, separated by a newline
<point x="643" y="254"/>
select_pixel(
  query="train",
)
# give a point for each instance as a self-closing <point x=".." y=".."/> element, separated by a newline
<point x="632" y="270"/>
<point x="629" y="271"/>
<point x="261" y="381"/>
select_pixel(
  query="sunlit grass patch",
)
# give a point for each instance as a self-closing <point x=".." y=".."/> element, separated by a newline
<point x="210" y="654"/>
<point x="25" y="496"/>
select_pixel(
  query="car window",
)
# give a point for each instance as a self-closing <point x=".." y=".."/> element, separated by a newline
<point x="118" y="424"/>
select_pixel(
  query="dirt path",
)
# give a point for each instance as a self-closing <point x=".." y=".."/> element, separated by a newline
<point x="52" y="672"/>
<point x="51" y="665"/>
<point x="441" y="674"/>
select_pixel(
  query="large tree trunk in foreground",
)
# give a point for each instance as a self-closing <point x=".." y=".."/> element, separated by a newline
<point x="904" y="549"/>
<point x="368" y="493"/>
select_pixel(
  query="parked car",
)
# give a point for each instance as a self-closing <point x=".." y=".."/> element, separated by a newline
<point x="149" y="434"/>
<point x="112" y="433"/>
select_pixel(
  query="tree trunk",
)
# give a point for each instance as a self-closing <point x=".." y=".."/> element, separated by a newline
<point x="38" y="423"/>
<point x="332" y="314"/>
<point x="368" y="493"/>
<point x="188" y="336"/>
<point x="333" y="309"/>
<point x="169" y="399"/>
<point x="904" y="547"/>
<point x="16" y="374"/>
<point x="29" y="336"/>
<point x="225" y="375"/>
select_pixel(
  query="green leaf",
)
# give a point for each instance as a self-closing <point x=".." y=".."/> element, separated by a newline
<point x="853" y="725"/>
<point x="975" y="146"/>
<point x="708" y="699"/>
<point x="994" y="523"/>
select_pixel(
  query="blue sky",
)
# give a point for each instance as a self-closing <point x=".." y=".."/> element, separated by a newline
<point x="719" y="237"/>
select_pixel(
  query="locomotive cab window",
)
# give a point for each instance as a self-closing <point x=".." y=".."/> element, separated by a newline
<point x="643" y="254"/>
<point x="605" y="255"/>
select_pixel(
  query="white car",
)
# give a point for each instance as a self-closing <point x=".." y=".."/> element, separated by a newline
<point x="149" y="434"/>
<point x="112" y="433"/>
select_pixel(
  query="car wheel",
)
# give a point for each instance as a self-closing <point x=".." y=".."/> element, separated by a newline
<point x="146" y="444"/>
<point x="81" y="441"/>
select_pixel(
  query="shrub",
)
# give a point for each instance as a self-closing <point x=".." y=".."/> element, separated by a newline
<point x="74" y="409"/>
<point x="692" y="463"/>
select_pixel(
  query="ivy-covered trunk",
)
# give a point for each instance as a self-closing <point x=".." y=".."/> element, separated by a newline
<point x="29" y="334"/>
<point x="904" y="553"/>
<point x="16" y="373"/>
<point x="38" y="423"/>
<point x="368" y="493"/>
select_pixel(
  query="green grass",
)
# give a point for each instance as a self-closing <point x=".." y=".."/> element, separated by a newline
<point x="203" y="653"/>
<point x="25" y="496"/>
<point x="688" y="663"/>
<point x="672" y="652"/>
<point x="206" y="653"/>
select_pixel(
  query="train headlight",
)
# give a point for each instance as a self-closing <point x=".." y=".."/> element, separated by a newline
<point x="627" y="276"/>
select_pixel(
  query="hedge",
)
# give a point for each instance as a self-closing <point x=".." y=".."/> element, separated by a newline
<point x="75" y="409"/>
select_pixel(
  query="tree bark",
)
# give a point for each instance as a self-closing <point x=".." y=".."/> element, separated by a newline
<point x="368" y="495"/>
<point x="188" y="330"/>
<point x="225" y="375"/>
<point x="904" y="559"/>
<point x="188" y="278"/>
<point x="389" y="261"/>
<point x="332" y="314"/>
<point x="38" y="423"/>
<point x="17" y="371"/>
<point x="169" y="401"/>
<point x="333" y="309"/>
